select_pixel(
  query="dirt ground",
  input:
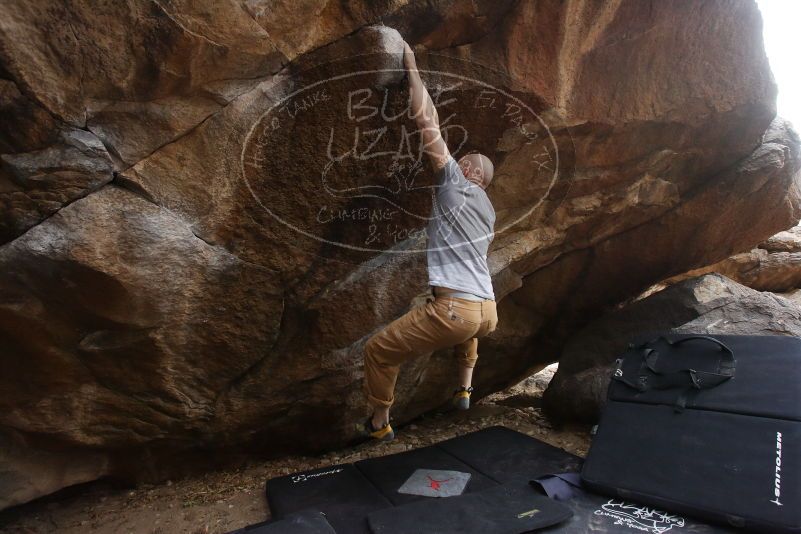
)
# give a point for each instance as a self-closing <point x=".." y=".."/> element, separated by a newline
<point x="222" y="501"/>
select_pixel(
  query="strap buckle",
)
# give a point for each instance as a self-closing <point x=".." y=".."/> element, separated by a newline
<point x="695" y="378"/>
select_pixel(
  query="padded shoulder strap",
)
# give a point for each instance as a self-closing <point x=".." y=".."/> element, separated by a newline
<point x="650" y="376"/>
<point x="691" y="377"/>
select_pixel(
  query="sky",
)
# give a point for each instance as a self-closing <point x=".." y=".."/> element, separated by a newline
<point x="782" y="33"/>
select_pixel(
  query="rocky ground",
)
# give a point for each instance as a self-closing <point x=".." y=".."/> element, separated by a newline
<point x="225" y="500"/>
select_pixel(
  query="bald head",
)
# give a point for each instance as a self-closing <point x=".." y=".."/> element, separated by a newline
<point x="477" y="168"/>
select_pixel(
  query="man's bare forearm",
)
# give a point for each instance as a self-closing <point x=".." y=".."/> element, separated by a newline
<point x="423" y="110"/>
<point x="424" y="113"/>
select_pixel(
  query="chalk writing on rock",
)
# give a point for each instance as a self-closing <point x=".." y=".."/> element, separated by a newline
<point x="341" y="161"/>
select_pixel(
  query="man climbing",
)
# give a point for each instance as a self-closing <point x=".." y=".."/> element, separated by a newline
<point x="461" y="305"/>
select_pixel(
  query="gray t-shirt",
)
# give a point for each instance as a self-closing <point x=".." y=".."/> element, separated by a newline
<point x="459" y="234"/>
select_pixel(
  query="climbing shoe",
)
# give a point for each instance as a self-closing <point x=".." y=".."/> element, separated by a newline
<point x="461" y="398"/>
<point x="384" y="433"/>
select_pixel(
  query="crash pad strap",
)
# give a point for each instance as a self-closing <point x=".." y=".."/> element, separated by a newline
<point x="689" y="381"/>
<point x="560" y="486"/>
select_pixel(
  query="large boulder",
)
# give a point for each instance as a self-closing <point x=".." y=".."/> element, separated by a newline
<point x="709" y="304"/>
<point x="215" y="204"/>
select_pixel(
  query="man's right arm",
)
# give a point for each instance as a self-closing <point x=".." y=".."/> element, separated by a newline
<point x="424" y="113"/>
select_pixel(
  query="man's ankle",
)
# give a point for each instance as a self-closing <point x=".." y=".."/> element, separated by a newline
<point x="379" y="421"/>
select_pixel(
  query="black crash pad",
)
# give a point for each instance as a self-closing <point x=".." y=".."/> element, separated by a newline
<point x="306" y="522"/>
<point x="348" y="493"/>
<point x="506" y="455"/>
<point x="341" y="491"/>
<point x="506" y="509"/>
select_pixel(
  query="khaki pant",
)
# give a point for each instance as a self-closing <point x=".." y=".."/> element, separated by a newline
<point x="439" y="323"/>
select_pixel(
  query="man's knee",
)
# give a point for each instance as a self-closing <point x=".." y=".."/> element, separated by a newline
<point x="370" y="348"/>
<point x="373" y="354"/>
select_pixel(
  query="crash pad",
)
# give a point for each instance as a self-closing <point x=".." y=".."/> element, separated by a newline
<point x="496" y="456"/>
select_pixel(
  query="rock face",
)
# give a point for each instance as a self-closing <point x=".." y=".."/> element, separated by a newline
<point x="710" y="304"/>
<point x="209" y="206"/>
<point x="774" y="265"/>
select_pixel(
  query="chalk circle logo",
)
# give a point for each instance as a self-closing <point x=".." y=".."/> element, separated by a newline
<point x="337" y="157"/>
<point x="640" y="517"/>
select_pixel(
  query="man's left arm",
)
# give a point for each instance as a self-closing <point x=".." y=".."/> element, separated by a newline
<point x="425" y="113"/>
